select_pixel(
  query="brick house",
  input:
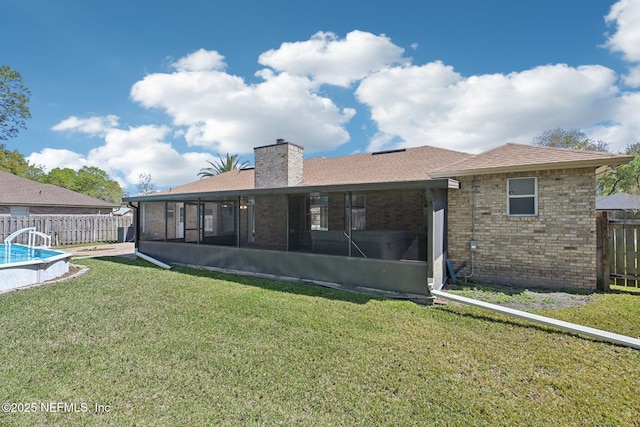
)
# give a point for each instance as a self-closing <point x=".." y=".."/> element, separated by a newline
<point x="387" y="221"/>
<point x="23" y="197"/>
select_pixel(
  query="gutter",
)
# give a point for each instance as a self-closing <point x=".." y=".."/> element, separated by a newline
<point x="300" y="189"/>
<point x="598" y="334"/>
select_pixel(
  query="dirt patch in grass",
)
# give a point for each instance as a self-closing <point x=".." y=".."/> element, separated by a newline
<point x="533" y="299"/>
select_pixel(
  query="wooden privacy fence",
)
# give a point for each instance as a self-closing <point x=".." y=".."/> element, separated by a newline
<point x="621" y="258"/>
<point x="68" y="229"/>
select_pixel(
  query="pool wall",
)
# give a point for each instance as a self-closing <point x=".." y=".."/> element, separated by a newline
<point x="19" y="274"/>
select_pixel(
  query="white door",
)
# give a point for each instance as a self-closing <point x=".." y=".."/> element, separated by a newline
<point x="180" y="221"/>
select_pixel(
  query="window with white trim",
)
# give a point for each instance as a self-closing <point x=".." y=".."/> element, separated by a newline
<point x="522" y="196"/>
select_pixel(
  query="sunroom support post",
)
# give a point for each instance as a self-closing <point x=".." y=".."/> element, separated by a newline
<point x="438" y="233"/>
<point x="349" y="225"/>
<point x="166" y="219"/>
<point x="288" y="231"/>
<point x="238" y="208"/>
<point x="428" y="226"/>
<point x="200" y="222"/>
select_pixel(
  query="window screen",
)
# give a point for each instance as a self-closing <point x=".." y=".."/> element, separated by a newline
<point x="522" y="197"/>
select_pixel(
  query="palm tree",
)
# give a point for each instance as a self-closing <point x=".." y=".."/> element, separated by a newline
<point x="229" y="163"/>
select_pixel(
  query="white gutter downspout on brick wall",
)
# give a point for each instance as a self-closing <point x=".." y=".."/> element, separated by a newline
<point x="571" y="327"/>
<point x="473" y="225"/>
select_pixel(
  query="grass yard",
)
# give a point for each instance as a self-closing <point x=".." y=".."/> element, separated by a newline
<point x="193" y="348"/>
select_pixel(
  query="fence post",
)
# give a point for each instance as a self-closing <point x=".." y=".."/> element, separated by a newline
<point x="603" y="272"/>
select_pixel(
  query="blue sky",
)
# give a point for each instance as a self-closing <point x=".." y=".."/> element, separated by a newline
<point x="140" y="87"/>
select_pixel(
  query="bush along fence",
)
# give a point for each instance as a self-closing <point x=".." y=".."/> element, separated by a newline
<point x="70" y="229"/>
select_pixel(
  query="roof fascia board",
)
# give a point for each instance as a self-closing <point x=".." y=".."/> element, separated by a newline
<point x="394" y="185"/>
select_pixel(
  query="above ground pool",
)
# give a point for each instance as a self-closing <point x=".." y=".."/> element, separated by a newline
<point x="22" y="265"/>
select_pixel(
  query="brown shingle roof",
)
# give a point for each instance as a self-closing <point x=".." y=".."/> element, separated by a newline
<point x="18" y="191"/>
<point x="414" y="164"/>
<point x="239" y="179"/>
<point x="520" y="157"/>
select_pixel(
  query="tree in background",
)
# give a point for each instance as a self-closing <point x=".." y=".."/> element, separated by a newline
<point x="14" y="97"/>
<point x="89" y="180"/>
<point x="573" y="139"/>
<point x="229" y="163"/>
<point x="13" y="162"/>
<point x="145" y="185"/>
<point x="95" y="182"/>
<point x="623" y="179"/>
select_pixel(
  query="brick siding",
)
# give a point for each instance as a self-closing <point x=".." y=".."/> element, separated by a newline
<point x="557" y="248"/>
<point x="271" y="222"/>
<point x="279" y="165"/>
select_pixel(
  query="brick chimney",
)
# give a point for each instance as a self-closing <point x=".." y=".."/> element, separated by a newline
<point x="278" y="165"/>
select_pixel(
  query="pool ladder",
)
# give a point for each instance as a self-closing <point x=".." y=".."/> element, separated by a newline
<point x="32" y="237"/>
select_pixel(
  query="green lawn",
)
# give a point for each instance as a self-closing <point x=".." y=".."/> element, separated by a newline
<point x="194" y="348"/>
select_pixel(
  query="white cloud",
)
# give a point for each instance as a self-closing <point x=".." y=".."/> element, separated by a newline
<point x="625" y="16"/>
<point x="633" y="77"/>
<point x="144" y="149"/>
<point x="51" y="158"/>
<point x="225" y="114"/>
<point x="623" y="127"/>
<point x="411" y="104"/>
<point x="95" y="125"/>
<point x="128" y="153"/>
<point x="432" y="104"/>
<point x="200" y="60"/>
<point x="328" y="59"/>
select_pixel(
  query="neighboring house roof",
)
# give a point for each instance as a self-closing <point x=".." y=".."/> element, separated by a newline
<point x="18" y="191"/>
<point x="413" y="164"/>
<point x="618" y="202"/>
<point x="123" y="210"/>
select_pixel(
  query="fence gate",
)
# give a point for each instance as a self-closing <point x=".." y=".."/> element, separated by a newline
<point x="623" y="254"/>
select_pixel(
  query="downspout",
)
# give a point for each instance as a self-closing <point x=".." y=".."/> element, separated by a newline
<point x="153" y="260"/>
<point x="571" y="327"/>
<point x="473" y="224"/>
<point x="136" y="237"/>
